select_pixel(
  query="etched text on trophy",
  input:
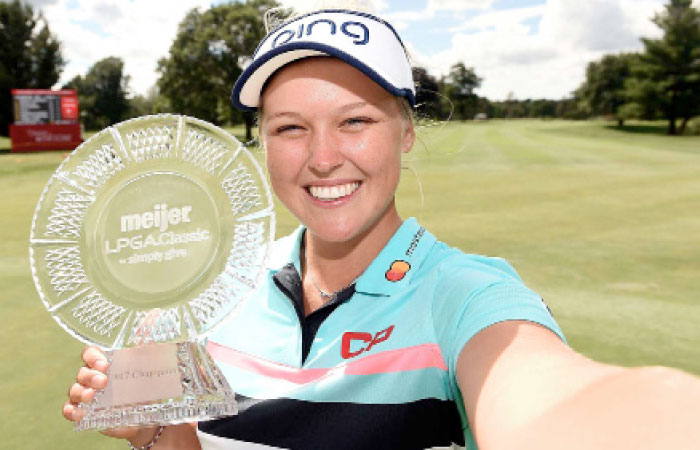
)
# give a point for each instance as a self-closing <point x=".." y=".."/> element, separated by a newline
<point x="161" y="217"/>
<point x="143" y="374"/>
<point x="158" y="234"/>
<point x="150" y="374"/>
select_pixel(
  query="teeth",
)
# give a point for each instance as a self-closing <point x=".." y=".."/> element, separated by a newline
<point x="329" y="193"/>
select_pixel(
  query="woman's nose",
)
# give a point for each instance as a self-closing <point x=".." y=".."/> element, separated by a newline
<point x="324" y="152"/>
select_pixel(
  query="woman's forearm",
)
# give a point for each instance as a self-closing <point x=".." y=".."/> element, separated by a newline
<point x="648" y="407"/>
<point x="174" y="437"/>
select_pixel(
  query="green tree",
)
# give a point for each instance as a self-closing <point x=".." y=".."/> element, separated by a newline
<point x="459" y="86"/>
<point x="206" y="57"/>
<point x="667" y="76"/>
<point x="142" y="105"/>
<point x="102" y="93"/>
<point x="30" y="56"/>
<point x="428" y="104"/>
<point x="603" y="90"/>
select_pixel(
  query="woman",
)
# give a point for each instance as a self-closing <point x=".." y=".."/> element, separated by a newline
<point x="370" y="333"/>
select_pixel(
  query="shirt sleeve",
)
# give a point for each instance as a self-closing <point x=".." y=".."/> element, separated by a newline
<point x="466" y="303"/>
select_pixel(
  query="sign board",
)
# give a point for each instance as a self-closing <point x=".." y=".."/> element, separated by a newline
<point x="45" y="120"/>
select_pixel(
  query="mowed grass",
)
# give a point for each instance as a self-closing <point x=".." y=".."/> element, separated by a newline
<point x="604" y="224"/>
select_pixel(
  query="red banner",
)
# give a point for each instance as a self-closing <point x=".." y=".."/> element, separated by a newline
<point x="45" y="120"/>
<point x="69" y="108"/>
<point x="45" y="137"/>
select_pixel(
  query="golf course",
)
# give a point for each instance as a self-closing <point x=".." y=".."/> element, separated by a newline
<point x="603" y="222"/>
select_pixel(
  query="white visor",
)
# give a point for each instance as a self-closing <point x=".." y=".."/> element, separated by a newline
<point x="364" y="41"/>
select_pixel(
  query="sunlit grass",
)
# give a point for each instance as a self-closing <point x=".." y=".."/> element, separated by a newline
<point x="604" y="224"/>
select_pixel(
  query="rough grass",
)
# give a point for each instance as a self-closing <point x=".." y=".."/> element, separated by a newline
<point x="603" y="223"/>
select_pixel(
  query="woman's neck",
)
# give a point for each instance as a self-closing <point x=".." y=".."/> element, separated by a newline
<point x="334" y="265"/>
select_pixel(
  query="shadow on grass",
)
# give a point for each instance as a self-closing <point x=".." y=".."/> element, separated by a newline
<point x="657" y="129"/>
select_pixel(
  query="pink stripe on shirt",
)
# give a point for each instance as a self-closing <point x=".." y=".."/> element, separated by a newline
<point x="410" y="358"/>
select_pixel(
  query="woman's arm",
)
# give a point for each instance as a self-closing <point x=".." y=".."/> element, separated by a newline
<point x="91" y="378"/>
<point x="524" y="388"/>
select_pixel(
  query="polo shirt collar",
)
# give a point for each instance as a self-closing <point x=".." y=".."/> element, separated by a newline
<point x="287" y="250"/>
<point x="398" y="261"/>
<point x="390" y="271"/>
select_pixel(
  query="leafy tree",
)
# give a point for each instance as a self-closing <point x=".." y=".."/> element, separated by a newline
<point x="30" y="56"/>
<point x="570" y="108"/>
<point x="603" y="90"/>
<point x="459" y="86"/>
<point x="142" y="105"/>
<point x="428" y="102"/>
<point x="102" y="93"/>
<point x="667" y="76"/>
<point x="206" y="57"/>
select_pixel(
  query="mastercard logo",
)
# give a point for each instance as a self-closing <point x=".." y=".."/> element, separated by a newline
<point x="397" y="270"/>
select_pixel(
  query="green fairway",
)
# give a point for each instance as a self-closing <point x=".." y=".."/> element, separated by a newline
<point x="604" y="223"/>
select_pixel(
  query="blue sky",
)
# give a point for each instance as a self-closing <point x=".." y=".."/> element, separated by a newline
<point x="523" y="48"/>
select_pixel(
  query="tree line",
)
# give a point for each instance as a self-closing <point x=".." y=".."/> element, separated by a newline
<point x="212" y="46"/>
<point x="662" y="82"/>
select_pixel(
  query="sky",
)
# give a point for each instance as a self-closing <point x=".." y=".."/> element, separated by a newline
<point x="521" y="48"/>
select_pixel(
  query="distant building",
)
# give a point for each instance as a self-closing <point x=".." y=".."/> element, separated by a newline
<point x="481" y="116"/>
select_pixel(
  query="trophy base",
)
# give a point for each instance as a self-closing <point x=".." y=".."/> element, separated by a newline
<point x="159" y="384"/>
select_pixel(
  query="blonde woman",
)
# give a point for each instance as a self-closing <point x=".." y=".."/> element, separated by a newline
<point x="368" y="331"/>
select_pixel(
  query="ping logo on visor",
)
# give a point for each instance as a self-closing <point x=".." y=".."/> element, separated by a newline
<point x="361" y="40"/>
<point x="354" y="30"/>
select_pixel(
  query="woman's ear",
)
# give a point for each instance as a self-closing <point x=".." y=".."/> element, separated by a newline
<point x="409" y="136"/>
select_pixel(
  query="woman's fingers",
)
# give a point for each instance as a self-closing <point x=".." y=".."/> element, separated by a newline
<point x="79" y="393"/>
<point x="75" y="393"/>
<point x="68" y="409"/>
<point x="91" y="378"/>
<point x="95" y="359"/>
<point x="72" y="412"/>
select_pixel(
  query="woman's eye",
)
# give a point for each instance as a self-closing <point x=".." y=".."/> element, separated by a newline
<point x="287" y="128"/>
<point x="357" y="121"/>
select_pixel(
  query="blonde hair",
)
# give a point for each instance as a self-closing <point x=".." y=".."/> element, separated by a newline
<point x="275" y="17"/>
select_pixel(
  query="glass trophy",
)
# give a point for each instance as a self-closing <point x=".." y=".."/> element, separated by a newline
<point x="144" y="239"/>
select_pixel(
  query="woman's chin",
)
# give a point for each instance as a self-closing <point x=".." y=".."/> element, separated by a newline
<point x="336" y="233"/>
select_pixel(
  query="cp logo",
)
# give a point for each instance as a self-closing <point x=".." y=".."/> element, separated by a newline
<point x="350" y="346"/>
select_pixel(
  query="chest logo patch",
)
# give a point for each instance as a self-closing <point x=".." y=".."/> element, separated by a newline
<point x="355" y="343"/>
<point x="397" y="270"/>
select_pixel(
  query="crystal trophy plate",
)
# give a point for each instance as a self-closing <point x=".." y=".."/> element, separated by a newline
<point x="145" y="238"/>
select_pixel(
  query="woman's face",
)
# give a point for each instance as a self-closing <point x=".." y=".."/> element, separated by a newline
<point x="334" y="140"/>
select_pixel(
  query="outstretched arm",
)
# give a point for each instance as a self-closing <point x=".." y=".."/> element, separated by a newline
<point x="524" y="388"/>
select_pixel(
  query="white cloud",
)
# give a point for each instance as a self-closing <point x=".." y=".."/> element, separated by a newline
<point x="139" y="32"/>
<point x="41" y="3"/>
<point x="502" y="48"/>
<point x="502" y="19"/>
<point x="400" y="19"/>
<point x="458" y="5"/>
<point x="593" y="24"/>
<point x="371" y="6"/>
<point x="551" y="62"/>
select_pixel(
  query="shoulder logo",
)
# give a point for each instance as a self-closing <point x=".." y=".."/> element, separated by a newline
<point x="397" y="270"/>
<point x="355" y="343"/>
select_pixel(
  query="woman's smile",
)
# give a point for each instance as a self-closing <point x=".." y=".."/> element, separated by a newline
<point x="334" y="141"/>
<point x="331" y="192"/>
